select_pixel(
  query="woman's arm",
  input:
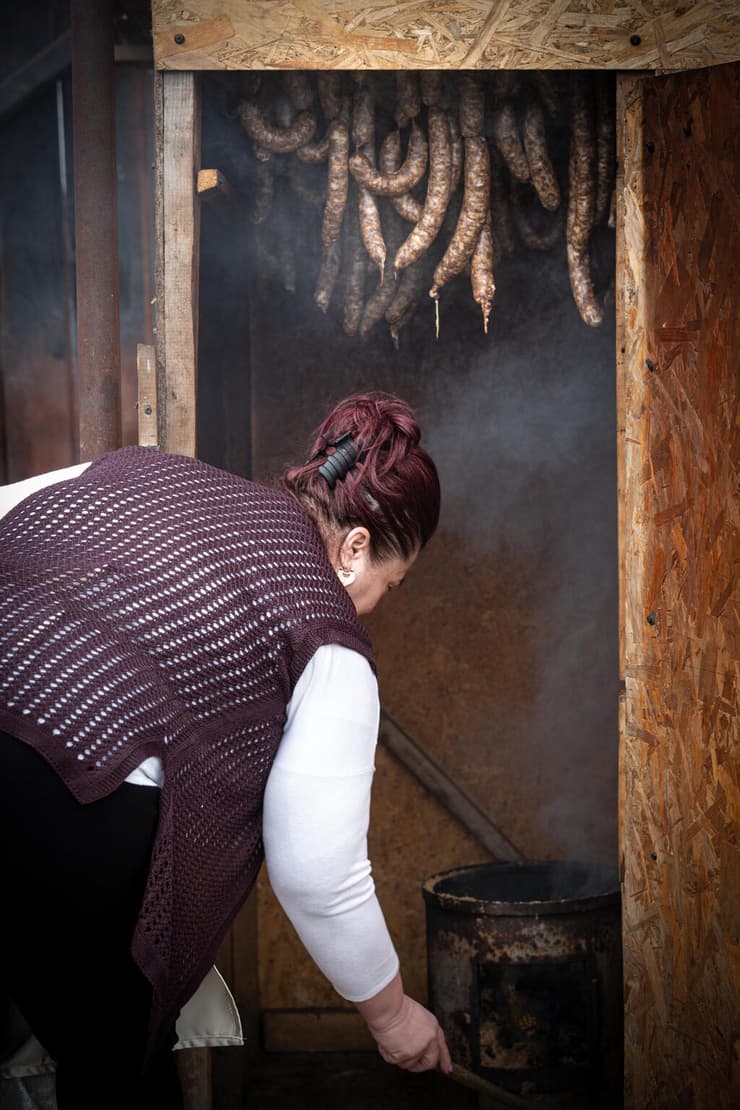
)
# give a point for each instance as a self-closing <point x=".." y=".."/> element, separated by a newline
<point x="316" y="814"/>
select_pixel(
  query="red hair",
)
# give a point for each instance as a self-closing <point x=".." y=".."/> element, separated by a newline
<point x="393" y="487"/>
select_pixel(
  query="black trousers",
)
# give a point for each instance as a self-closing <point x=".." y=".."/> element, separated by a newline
<point x="73" y="879"/>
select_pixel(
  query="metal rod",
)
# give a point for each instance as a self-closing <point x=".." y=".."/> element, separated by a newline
<point x="96" y="228"/>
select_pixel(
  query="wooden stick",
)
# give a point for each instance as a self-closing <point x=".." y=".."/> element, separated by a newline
<point x="446" y="790"/>
<point x="483" y="1087"/>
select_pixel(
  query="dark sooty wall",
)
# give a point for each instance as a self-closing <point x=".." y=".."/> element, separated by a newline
<point x="499" y="655"/>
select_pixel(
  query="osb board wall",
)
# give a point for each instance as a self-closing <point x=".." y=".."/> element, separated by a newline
<point x="439" y="34"/>
<point x="679" y="405"/>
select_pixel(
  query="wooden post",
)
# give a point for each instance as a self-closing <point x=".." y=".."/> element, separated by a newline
<point x="678" y="399"/>
<point x="177" y="141"/>
<point x="177" y="152"/>
<point x="96" y="229"/>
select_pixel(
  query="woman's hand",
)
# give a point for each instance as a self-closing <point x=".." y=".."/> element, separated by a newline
<point x="408" y="1035"/>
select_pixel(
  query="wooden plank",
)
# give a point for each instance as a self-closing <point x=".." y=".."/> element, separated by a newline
<point x="444" y="34"/>
<point x="177" y="139"/>
<point x="679" y="761"/>
<point x="312" y="1030"/>
<point x="146" y="370"/>
<point x="442" y="787"/>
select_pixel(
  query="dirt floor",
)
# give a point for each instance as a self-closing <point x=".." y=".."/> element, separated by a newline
<point x="347" y="1081"/>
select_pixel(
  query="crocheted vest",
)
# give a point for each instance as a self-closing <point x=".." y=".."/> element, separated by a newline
<point x="158" y="606"/>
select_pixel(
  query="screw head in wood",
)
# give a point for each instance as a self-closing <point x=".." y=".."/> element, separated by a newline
<point x="650" y="146"/>
<point x="651" y="618"/>
<point x="179" y="38"/>
<point x="650" y="364"/>
<point x="635" y="40"/>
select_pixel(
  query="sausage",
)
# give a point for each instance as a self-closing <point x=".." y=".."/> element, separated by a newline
<point x="264" y="191"/>
<point x="581" y="202"/>
<point x="472" y="102"/>
<point x="381" y="298"/>
<point x="506" y="134"/>
<point x="438" y="193"/>
<point x="378" y="302"/>
<point x="355" y="271"/>
<point x="314" y="152"/>
<point x="282" y="111"/>
<point x="505" y="128"/>
<point x="456" y="152"/>
<point x="475" y="205"/>
<point x="280" y="140"/>
<point x="337" y="182"/>
<point x="395" y="329"/>
<point x="409" y="97"/>
<point x="404" y="178"/>
<point x="410" y="285"/>
<point x="605" y="149"/>
<point x="371" y="229"/>
<point x="331" y="259"/>
<point x="540" y="167"/>
<point x="299" y="89"/>
<point x="406" y="300"/>
<point x="481" y="271"/>
<point x="533" y="234"/>
<point x="363" y="137"/>
<point x="363" y="120"/>
<point x="503" y="232"/>
<point x="390" y="162"/>
<point x="548" y="92"/>
<point x="431" y="88"/>
<point x="330" y="93"/>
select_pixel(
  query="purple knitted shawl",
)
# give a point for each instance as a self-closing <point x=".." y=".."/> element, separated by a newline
<point x="158" y="606"/>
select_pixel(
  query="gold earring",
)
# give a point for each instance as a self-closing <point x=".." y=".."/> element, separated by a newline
<point x="346" y="577"/>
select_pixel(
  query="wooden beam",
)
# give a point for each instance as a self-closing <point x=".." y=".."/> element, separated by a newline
<point x="445" y="34"/>
<point x="177" y="141"/>
<point x="444" y="788"/>
<point x="35" y="73"/>
<point x="53" y="60"/>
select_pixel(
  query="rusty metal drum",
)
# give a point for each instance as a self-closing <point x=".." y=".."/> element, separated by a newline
<point x="525" y="977"/>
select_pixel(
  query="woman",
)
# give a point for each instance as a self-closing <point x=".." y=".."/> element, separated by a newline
<point x="180" y="648"/>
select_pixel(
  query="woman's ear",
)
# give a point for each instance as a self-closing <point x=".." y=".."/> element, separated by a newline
<point x="355" y="544"/>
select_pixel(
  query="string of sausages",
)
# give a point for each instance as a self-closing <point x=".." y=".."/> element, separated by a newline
<point x="463" y="168"/>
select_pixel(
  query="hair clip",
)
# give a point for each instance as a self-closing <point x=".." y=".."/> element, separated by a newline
<point x="338" y="465"/>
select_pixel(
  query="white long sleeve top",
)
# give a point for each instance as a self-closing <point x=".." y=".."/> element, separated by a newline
<point x="316" y="808"/>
